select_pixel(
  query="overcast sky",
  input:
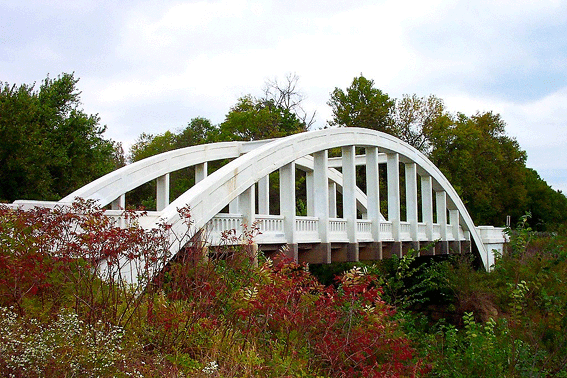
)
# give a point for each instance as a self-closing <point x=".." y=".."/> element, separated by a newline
<point x="151" y="66"/>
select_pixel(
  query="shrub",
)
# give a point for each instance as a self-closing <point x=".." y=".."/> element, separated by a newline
<point x="69" y="310"/>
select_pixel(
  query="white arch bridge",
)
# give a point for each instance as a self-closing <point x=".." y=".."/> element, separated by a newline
<point x="431" y="213"/>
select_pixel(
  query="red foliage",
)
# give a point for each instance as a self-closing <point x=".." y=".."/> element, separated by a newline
<point x="348" y="329"/>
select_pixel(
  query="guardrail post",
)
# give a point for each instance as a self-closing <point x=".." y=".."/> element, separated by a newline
<point x="332" y="200"/>
<point x="373" y="202"/>
<point x="349" y="200"/>
<point x="287" y="207"/>
<point x="309" y="193"/>
<point x="162" y="192"/>
<point x="246" y="204"/>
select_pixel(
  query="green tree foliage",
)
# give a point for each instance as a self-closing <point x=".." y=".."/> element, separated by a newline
<point x="484" y="165"/>
<point x="48" y="145"/>
<point x="362" y="105"/>
<point x="414" y="118"/>
<point x="198" y="131"/>
<point x="149" y="145"/>
<point x="547" y="206"/>
<point x="256" y="119"/>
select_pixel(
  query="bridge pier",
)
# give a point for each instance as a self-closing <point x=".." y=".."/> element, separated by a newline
<point x="407" y="246"/>
<point x="370" y="251"/>
<point x="292" y="251"/>
<point x="390" y="249"/>
<point x="319" y="253"/>
<point x="427" y="249"/>
<point x="442" y="247"/>
<point x="344" y="252"/>
<point x="455" y="246"/>
<point x="353" y="252"/>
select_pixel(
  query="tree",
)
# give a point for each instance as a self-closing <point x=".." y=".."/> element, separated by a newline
<point x="253" y="119"/>
<point x="548" y="207"/>
<point x="362" y="105"/>
<point x="286" y="96"/>
<point x="48" y="145"/>
<point x="414" y="118"/>
<point x="198" y="131"/>
<point x="118" y="155"/>
<point x="484" y="165"/>
<point x="149" y="145"/>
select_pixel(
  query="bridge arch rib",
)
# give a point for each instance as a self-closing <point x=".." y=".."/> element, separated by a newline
<point x="209" y="196"/>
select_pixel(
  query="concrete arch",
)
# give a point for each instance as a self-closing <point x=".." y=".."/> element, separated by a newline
<point x="209" y="196"/>
<point x="109" y="187"/>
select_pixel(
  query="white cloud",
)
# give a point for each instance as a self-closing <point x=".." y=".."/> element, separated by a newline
<point x="152" y="66"/>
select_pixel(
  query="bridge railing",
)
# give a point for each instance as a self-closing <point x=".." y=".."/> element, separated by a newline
<point x="421" y="231"/>
<point x="405" y="231"/>
<point x="364" y="229"/>
<point x="307" y="229"/>
<point x="436" y="231"/>
<point x="338" y="230"/>
<point x="271" y="229"/>
<point x="386" y="231"/>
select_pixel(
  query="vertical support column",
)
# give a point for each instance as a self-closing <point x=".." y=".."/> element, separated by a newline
<point x="162" y="193"/>
<point x="200" y="175"/>
<point x="233" y="207"/>
<point x="320" y="184"/>
<point x="441" y="202"/>
<point x="246" y="203"/>
<point x="309" y="192"/>
<point x="373" y="203"/>
<point x="454" y="218"/>
<point x="332" y="200"/>
<point x="349" y="200"/>
<point x="287" y="207"/>
<point x="427" y="210"/>
<point x="264" y="195"/>
<point x="200" y="172"/>
<point x="411" y="202"/>
<point x="393" y="164"/>
<point x="119" y="203"/>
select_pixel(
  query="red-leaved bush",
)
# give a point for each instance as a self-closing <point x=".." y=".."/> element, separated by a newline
<point x="76" y="252"/>
<point x="190" y="313"/>
<point x="348" y="330"/>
